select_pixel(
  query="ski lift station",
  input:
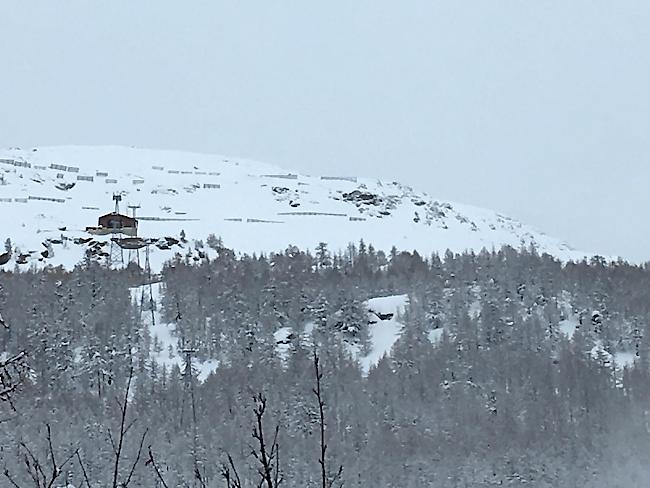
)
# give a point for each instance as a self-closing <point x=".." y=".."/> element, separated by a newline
<point x="115" y="223"/>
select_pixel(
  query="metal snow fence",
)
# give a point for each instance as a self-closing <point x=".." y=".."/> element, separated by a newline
<point x="352" y="179"/>
<point x="211" y="185"/>
<point x="167" y="219"/>
<point x="102" y="174"/>
<point x="110" y="180"/>
<point x="59" y="167"/>
<point x="158" y="168"/>
<point x="73" y="169"/>
<point x="285" y="177"/>
<point x="46" y="199"/>
<point x="318" y="214"/>
<point x="262" y="221"/>
<point x="85" y="178"/>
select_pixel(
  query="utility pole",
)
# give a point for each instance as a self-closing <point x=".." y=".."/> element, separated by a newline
<point x="117" y="198"/>
<point x="117" y="253"/>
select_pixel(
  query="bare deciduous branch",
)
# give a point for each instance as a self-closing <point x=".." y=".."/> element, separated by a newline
<point x="151" y="461"/>
<point x="267" y="458"/>
<point x="328" y="480"/>
<point x="11" y="480"/>
<point x="137" y="459"/>
<point x="83" y="470"/>
<point x="35" y="468"/>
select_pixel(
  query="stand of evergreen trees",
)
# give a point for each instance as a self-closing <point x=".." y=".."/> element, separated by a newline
<point x="504" y="398"/>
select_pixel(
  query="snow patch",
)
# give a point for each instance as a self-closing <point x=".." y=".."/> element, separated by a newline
<point x="435" y="335"/>
<point x="383" y="333"/>
<point x="283" y="337"/>
<point x="568" y="327"/>
<point x="624" y="359"/>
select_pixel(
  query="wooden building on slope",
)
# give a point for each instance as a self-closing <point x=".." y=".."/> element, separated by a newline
<point x="115" y="223"/>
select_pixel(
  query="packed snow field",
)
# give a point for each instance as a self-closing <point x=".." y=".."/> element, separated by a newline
<point x="50" y="195"/>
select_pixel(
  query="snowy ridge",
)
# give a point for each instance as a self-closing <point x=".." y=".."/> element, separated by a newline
<point x="48" y="196"/>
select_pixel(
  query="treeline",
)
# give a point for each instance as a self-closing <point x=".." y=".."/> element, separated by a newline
<point x="508" y="395"/>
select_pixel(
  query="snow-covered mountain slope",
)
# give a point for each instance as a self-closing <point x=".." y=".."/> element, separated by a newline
<point x="48" y="196"/>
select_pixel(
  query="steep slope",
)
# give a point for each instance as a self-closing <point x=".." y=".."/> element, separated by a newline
<point x="48" y="196"/>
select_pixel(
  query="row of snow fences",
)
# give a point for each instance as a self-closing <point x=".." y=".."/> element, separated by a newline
<point x="352" y="179"/>
<point x="311" y="214"/>
<point x="239" y="219"/>
<point x="25" y="200"/>
<point x="12" y="162"/>
<point x="60" y="167"/>
<point x="74" y="169"/>
<point x="179" y="172"/>
<point x="47" y="199"/>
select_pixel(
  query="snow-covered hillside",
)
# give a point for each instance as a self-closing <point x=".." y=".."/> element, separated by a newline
<point x="49" y="196"/>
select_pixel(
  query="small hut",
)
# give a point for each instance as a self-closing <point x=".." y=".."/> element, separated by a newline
<point x="115" y="223"/>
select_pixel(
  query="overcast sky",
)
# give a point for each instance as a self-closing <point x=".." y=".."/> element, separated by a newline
<point x="538" y="109"/>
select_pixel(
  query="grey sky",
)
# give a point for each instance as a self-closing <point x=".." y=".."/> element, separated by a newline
<point x="538" y="109"/>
